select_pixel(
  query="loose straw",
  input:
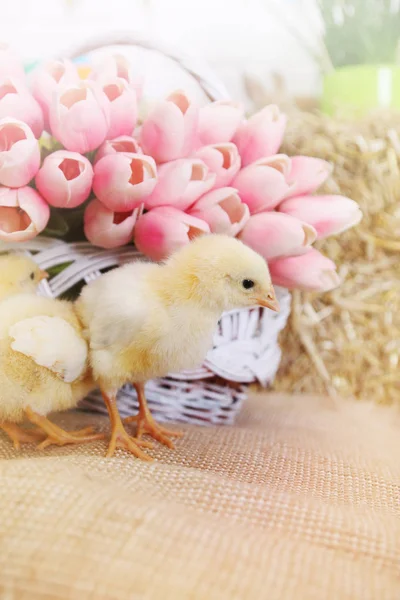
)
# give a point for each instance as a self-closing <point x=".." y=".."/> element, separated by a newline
<point x="347" y="342"/>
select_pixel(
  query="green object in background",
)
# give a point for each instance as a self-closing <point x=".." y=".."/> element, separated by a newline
<point x="358" y="89"/>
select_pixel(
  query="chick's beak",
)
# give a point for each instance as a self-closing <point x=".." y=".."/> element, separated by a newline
<point x="269" y="300"/>
<point x="43" y="275"/>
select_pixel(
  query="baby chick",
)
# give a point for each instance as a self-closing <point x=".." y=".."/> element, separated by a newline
<point x="19" y="274"/>
<point x="144" y="320"/>
<point x="43" y="358"/>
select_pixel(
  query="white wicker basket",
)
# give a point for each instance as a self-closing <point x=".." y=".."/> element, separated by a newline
<point x="246" y="343"/>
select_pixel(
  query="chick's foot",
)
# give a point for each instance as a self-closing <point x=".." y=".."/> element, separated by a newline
<point x="58" y="436"/>
<point x="119" y="436"/>
<point x="19" y="436"/>
<point x="147" y="425"/>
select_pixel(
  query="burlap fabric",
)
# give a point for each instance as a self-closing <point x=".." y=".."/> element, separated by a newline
<point x="300" y="500"/>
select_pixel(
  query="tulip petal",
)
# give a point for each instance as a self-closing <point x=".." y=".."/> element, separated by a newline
<point x="310" y="271"/>
<point x="329" y="215"/>
<point x="218" y="122"/>
<point x="122" y="143"/>
<point x="107" y="229"/>
<point x="169" y="130"/>
<point x="223" y="210"/>
<point x="23" y="214"/>
<point x="47" y="78"/>
<point x="273" y="234"/>
<point x="307" y="174"/>
<point x="80" y="116"/>
<point x="223" y="160"/>
<point x="261" y="135"/>
<point x="123" y="181"/>
<point x="17" y="102"/>
<point x="65" y="179"/>
<point x="19" y="153"/>
<point x="123" y="107"/>
<point x="262" y="185"/>
<point x="165" y="229"/>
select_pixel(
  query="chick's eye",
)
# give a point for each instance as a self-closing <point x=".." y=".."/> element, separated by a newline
<point x="247" y="284"/>
<point x="32" y="276"/>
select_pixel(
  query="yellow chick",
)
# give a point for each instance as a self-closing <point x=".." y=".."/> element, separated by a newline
<point x="43" y="358"/>
<point x="144" y="320"/>
<point x="19" y="274"/>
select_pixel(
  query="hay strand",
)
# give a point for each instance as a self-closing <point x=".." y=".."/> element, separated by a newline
<point x="347" y="342"/>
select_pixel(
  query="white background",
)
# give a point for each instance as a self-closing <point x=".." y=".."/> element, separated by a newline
<point x="235" y="36"/>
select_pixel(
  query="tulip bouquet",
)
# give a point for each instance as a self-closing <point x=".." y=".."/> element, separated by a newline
<point x="74" y="146"/>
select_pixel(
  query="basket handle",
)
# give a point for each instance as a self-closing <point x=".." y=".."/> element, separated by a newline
<point x="205" y="77"/>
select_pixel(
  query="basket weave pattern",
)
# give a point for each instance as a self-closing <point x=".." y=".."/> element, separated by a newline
<point x="245" y="345"/>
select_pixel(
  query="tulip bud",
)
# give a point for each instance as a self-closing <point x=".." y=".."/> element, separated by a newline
<point x="261" y="135"/>
<point x="17" y="102"/>
<point x="123" y="107"/>
<point x="106" y="228"/>
<point x="310" y="271"/>
<point x="273" y="234"/>
<point x="165" y="229"/>
<point x="169" y="130"/>
<point x="221" y="159"/>
<point x="263" y="184"/>
<point x="23" y="214"/>
<point x="307" y="174"/>
<point x="180" y="183"/>
<point x="123" y="143"/>
<point x="123" y="181"/>
<point x="80" y="116"/>
<point x="117" y="65"/>
<point x="46" y="80"/>
<point x="218" y="122"/>
<point x="65" y="179"/>
<point x="329" y="215"/>
<point x="223" y="210"/>
<point x="19" y="153"/>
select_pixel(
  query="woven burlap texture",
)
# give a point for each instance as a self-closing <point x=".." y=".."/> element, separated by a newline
<point x="300" y="500"/>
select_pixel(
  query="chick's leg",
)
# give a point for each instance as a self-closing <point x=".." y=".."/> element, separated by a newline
<point x="58" y="436"/>
<point x="146" y="423"/>
<point x="20" y="436"/>
<point x="119" y="436"/>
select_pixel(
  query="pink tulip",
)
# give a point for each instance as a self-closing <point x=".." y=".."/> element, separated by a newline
<point x="273" y="234"/>
<point x="307" y="174"/>
<point x="180" y="183"/>
<point x="80" y="116"/>
<point x="218" y="122"/>
<point x="117" y="65"/>
<point x="123" y="181"/>
<point x="221" y="159"/>
<point x="223" y="210"/>
<point x="19" y="153"/>
<point x="17" y="102"/>
<point x="23" y="214"/>
<point x="311" y="271"/>
<point x="123" y="107"/>
<point x="165" y="229"/>
<point x="65" y="179"/>
<point x="108" y="229"/>
<point x="261" y="135"/>
<point x="48" y="78"/>
<point x="169" y="130"/>
<point x="10" y="64"/>
<point x="123" y="143"/>
<point x="329" y="215"/>
<point x="262" y="185"/>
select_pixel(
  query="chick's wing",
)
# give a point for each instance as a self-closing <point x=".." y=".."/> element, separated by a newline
<point x="52" y="343"/>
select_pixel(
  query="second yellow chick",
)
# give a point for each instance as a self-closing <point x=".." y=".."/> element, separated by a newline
<point x="43" y="358"/>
